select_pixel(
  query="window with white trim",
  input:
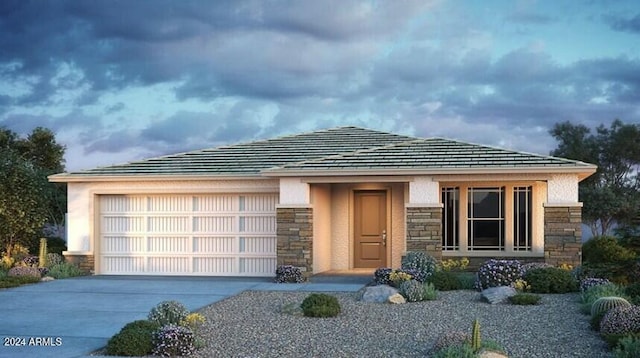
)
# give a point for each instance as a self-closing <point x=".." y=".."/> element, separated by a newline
<point x="487" y="218"/>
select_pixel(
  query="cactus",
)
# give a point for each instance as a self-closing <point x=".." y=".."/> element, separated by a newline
<point x="476" y="343"/>
<point x="42" y="258"/>
<point x="604" y="304"/>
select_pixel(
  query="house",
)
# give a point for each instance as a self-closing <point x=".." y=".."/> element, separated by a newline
<point x="337" y="199"/>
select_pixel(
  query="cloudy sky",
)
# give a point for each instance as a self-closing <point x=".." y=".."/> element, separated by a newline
<point x="124" y="80"/>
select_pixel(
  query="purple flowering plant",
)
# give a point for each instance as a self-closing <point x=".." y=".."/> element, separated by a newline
<point x="289" y="274"/>
<point x="589" y="282"/>
<point x="621" y="320"/>
<point x="494" y="273"/>
<point x="173" y="340"/>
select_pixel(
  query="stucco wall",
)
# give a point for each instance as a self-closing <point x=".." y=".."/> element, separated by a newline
<point x="341" y="250"/>
<point x="82" y="206"/>
<point x="321" y="201"/>
<point x="563" y="189"/>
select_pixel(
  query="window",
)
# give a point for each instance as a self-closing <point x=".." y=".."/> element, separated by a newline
<point x="522" y="218"/>
<point x="450" y="235"/>
<point x="495" y="218"/>
<point x="485" y="219"/>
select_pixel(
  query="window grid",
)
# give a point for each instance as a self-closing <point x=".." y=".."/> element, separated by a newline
<point x="522" y="208"/>
<point x="450" y="219"/>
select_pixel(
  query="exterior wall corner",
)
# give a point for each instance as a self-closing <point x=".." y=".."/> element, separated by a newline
<point x="295" y="237"/>
<point x="424" y="229"/>
<point x="563" y="235"/>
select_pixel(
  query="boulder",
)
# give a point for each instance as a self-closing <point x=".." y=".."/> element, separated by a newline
<point x="378" y="293"/>
<point x="396" y="299"/>
<point x="498" y="294"/>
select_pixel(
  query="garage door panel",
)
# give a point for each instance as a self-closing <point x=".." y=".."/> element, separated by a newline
<point x="123" y="244"/>
<point x="221" y="245"/>
<point x="227" y="234"/>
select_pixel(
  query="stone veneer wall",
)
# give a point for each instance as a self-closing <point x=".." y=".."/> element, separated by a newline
<point x="295" y="238"/>
<point x="85" y="262"/>
<point x="424" y="230"/>
<point x="563" y="235"/>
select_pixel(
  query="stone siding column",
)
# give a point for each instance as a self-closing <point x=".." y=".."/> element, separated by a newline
<point x="563" y="235"/>
<point x="424" y="230"/>
<point x="86" y="262"/>
<point x="295" y="237"/>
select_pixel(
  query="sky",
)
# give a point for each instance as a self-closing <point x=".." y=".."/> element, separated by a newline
<point x="120" y="81"/>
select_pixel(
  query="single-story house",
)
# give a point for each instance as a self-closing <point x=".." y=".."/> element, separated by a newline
<point x="338" y="199"/>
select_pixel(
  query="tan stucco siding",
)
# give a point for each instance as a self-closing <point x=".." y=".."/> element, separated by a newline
<point x="321" y="201"/>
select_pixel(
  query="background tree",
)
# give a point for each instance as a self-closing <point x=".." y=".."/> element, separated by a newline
<point x="37" y="155"/>
<point x="611" y="195"/>
<point x="22" y="200"/>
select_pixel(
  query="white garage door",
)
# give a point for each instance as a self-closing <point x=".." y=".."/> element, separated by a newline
<point x="199" y="235"/>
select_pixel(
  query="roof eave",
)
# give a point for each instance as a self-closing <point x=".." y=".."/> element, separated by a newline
<point x="79" y="178"/>
<point x="583" y="172"/>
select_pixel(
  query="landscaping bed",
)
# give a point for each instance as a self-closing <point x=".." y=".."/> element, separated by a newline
<point x="254" y="324"/>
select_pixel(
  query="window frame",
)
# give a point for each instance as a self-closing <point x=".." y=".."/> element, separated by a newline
<point x="536" y="240"/>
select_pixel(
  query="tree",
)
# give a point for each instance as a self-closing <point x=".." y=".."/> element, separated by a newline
<point x="611" y="195"/>
<point x="22" y="203"/>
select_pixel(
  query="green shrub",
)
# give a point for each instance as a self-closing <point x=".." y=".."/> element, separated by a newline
<point x="54" y="259"/>
<point x="604" y="304"/>
<point x="524" y="299"/>
<point x="595" y="320"/>
<point x="614" y="339"/>
<point x="588" y="297"/>
<point x="628" y="347"/>
<point x="56" y="245"/>
<point x="604" y="250"/>
<point x="446" y="281"/>
<point x="429" y="292"/>
<point x="134" y="339"/>
<point x="65" y="270"/>
<point x="551" y="280"/>
<point x="420" y="262"/>
<point x="456" y="351"/>
<point x="168" y="312"/>
<point x="633" y="292"/>
<point x="467" y="280"/>
<point x="320" y="305"/>
<point x="411" y="290"/>
<point x="173" y="340"/>
<point x="15" y="281"/>
<point x="3" y="273"/>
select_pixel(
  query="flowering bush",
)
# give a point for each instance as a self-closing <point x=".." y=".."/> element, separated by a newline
<point x="565" y="266"/>
<point x="193" y="321"/>
<point x="455" y="265"/>
<point x="412" y="291"/>
<point x="398" y="277"/>
<point x="381" y="276"/>
<point x="54" y="259"/>
<point x="289" y="274"/>
<point x="24" y="271"/>
<point x="535" y="265"/>
<point x="168" y="312"/>
<point x="173" y="340"/>
<point x="521" y="285"/>
<point x="30" y="261"/>
<point x="389" y="276"/>
<point x="494" y="273"/>
<point x="421" y="263"/>
<point x="621" y="320"/>
<point x="589" y="282"/>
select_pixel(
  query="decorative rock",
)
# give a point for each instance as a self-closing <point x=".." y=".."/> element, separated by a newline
<point x="491" y="354"/>
<point x="378" y="293"/>
<point x="396" y="299"/>
<point x="47" y="278"/>
<point x="498" y="294"/>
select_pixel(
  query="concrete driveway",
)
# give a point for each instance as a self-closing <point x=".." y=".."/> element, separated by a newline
<point x="74" y="317"/>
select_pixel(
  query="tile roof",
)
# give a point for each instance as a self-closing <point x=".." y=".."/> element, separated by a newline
<point x="332" y="151"/>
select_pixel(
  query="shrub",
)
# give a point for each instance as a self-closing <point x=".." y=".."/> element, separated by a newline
<point x="452" y="338"/>
<point x="613" y="339"/>
<point x="429" y="292"/>
<point x="595" y="320"/>
<point x="173" y="340"/>
<point x="24" y="271"/>
<point x="535" y="265"/>
<point x="30" y="261"/>
<point x="65" y="270"/>
<point x="412" y="290"/>
<point x="605" y="249"/>
<point x="15" y="281"/>
<point x="454" y="265"/>
<point x="633" y="291"/>
<point x="398" y="277"/>
<point x="134" y="339"/>
<point x="288" y="274"/>
<point x="467" y="280"/>
<point x="604" y="304"/>
<point x="551" y="280"/>
<point x="589" y="282"/>
<point x="423" y="264"/>
<point x="168" y="312"/>
<point x="193" y="321"/>
<point x="524" y="299"/>
<point x="388" y="276"/>
<point x="445" y="281"/>
<point x="56" y="245"/>
<point x="494" y="273"/>
<point x="320" y="305"/>
<point x="521" y="285"/>
<point x="588" y="297"/>
<point x="54" y="259"/>
<point x="456" y="351"/>
<point x="621" y="320"/>
<point x="628" y="347"/>
<point x="381" y="276"/>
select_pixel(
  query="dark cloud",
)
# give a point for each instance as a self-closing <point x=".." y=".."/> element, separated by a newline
<point x="624" y="24"/>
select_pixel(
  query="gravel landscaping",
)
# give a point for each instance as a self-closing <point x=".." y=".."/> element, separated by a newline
<point x="253" y="324"/>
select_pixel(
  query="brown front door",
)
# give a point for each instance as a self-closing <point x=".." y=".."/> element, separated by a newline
<point x="370" y="229"/>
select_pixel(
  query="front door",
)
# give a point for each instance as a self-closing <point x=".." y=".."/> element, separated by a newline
<point x="370" y="229"/>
